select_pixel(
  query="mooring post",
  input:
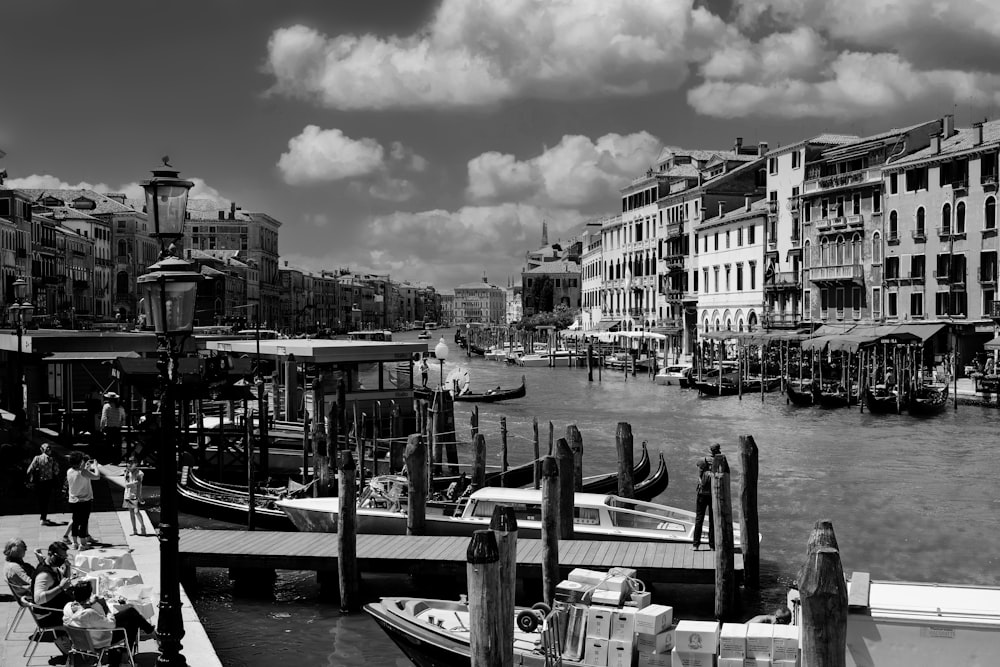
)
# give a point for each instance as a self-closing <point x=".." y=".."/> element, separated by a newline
<point x="503" y="451"/>
<point x="564" y="456"/>
<point x="590" y="362"/>
<point x="479" y="461"/>
<point x="347" y="533"/>
<point x="486" y="636"/>
<point x="823" y="595"/>
<point x="474" y="420"/>
<point x="626" y="469"/>
<point x="416" y="499"/>
<point x="576" y="444"/>
<point x="396" y="445"/>
<point x="749" y="521"/>
<point x="725" y="561"/>
<point x="321" y="457"/>
<point x="550" y="529"/>
<point x="537" y="468"/>
<point x="504" y="527"/>
<point x="552" y="440"/>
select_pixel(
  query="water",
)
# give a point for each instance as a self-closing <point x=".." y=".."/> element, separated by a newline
<point x="909" y="499"/>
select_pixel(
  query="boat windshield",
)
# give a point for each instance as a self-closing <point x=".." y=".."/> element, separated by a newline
<point x="384" y="492"/>
<point x="627" y="513"/>
<point x="586" y="516"/>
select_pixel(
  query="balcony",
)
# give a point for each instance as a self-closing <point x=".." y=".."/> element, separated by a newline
<point x="781" y="320"/>
<point x="783" y="280"/>
<point x="892" y="239"/>
<point x="995" y="310"/>
<point x="950" y="277"/>
<point x="850" y="179"/>
<point x="960" y="187"/>
<point x="945" y="233"/>
<point x="824" y="224"/>
<point x="989" y="183"/>
<point x="796" y="241"/>
<point x="674" y="230"/>
<point x="916" y="278"/>
<point x="793" y="204"/>
<point x="839" y="273"/>
<point x="919" y="236"/>
<point x="772" y="207"/>
<point x="772" y="244"/>
<point x="855" y="221"/>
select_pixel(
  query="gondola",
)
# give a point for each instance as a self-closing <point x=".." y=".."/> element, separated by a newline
<point x="197" y="497"/>
<point x="802" y="395"/>
<point x="883" y="402"/>
<point x="835" y="397"/>
<point x="928" y="401"/>
<point x="494" y="395"/>
<point x="608" y="482"/>
<point x="477" y="350"/>
<point x="714" y="388"/>
<point x="654" y="485"/>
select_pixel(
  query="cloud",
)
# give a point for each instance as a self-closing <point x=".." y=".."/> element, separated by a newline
<point x="317" y="156"/>
<point x="133" y="190"/>
<point x="442" y="246"/>
<point x="576" y="172"/>
<point x="481" y="52"/>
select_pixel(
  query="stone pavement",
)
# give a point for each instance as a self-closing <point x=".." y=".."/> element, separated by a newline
<point x="108" y="526"/>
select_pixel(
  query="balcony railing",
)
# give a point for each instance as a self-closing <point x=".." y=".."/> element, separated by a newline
<point x="989" y="183"/>
<point x="772" y="207"/>
<point x="960" y="186"/>
<point x="853" y="272"/>
<point x="917" y="277"/>
<point x="858" y="177"/>
<point x="995" y="310"/>
<point x="674" y="230"/>
<point x="919" y="235"/>
<point x="892" y="238"/>
<point x="783" y="280"/>
<point x="781" y="320"/>
<point x="949" y="232"/>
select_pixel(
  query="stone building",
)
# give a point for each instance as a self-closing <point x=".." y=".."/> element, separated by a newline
<point x="481" y="302"/>
<point x="558" y="281"/>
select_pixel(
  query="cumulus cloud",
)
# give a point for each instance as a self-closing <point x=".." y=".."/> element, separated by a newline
<point x="576" y="172"/>
<point x="132" y="190"/>
<point x="317" y="156"/>
<point x="480" y="52"/>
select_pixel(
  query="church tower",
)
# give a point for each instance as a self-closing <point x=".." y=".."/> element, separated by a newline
<point x="545" y="233"/>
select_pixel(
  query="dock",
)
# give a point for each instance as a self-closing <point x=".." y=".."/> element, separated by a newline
<point x="656" y="562"/>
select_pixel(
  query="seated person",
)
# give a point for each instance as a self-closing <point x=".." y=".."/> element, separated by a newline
<point x="92" y="613"/>
<point x="49" y="587"/>
<point x="16" y="572"/>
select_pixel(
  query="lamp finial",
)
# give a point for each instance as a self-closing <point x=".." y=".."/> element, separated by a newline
<point x="166" y="161"/>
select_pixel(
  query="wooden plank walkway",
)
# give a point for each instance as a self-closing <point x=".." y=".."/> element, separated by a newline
<point x="656" y="562"/>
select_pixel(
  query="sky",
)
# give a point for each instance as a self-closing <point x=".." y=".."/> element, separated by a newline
<point x="429" y="139"/>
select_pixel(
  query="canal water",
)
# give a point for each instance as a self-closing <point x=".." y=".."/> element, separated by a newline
<point x="910" y="499"/>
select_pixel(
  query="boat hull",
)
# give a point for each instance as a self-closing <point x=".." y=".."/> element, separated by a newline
<point x="931" y="402"/>
<point x="882" y="405"/>
<point x="496" y="397"/>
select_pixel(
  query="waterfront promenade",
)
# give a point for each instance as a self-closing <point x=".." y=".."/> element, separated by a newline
<point x="109" y="527"/>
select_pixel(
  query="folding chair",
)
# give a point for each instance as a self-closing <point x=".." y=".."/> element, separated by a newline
<point x="97" y="642"/>
<point x="40" y="634"/>
<point x="18" y="615"/>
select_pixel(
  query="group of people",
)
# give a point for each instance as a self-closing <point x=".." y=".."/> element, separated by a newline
<point x="65" y="599"/>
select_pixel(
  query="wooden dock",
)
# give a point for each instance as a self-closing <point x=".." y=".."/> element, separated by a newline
<point x="655" y="562"/>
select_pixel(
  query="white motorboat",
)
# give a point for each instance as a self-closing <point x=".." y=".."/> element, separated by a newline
<point x="672" y="375"/>
<point x="597" y="516"/>
<point x="545" y="359"/>
<point x="496" y="354"/>
<point x="424" y="335"/>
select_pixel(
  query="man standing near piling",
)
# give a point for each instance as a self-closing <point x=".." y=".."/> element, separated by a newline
<point x="704" y="504"/>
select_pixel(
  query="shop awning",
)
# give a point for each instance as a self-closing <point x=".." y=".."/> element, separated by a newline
<point x="922" y="331"/>
<point x="993" y="344"/>
<point x="60" y="357"/>
<point x="608" y="325"/>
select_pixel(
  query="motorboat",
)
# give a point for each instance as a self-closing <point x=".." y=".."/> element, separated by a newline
<point x="545" y="359"/>
<point x="596" y="516"/>
<point x="496" y="354"/>
<point x="670" y="375"/>
<point x="424" y="335"/>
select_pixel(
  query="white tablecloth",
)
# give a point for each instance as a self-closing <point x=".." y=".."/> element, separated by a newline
<point x="104" y="559"/>
<point x="139" y="596"/>
<point x="109" y="581"/>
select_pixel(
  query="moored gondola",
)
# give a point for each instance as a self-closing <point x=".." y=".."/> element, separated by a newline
<point x="608" y="482"/>
<point x="800" y="394"/>
<point x="929" y="400"/>
<point x="655" y="484"/>
<point x="493" y="395"/>
<point x="831" y="396"/>
<point x="882" y="401"/>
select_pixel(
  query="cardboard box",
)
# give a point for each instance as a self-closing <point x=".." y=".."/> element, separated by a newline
<point x="759" y="638"/>
<point x="678" y="659"/>
<point x="784" y="643"/>
<point x="661" y="642"/>
<point x="629" y="572"/>
<point x="785" y="663"/>
<point x="596" y="652"/>
<point x="732" y="662"/>
<point x="608" y="598"/>
<point x="618" y="584"/>
<point x="620" y="653"/>
<point x="652" y="659"/>
<point x="733" y="641"/>
<point x="696" y="637"/>
<point x="589" y="577"/>
<point x="639" y="600"/>
<point x="571" y="591"/>
<point x="757" y="662"/>
<point x="654" y="618"/>
<point x="599" y="623"/>
<point x="623" y="624"/>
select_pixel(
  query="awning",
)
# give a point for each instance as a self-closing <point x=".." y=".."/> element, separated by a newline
<point x="993" y="344"/>
<point x="608" y="325"/>
<point x="922" y="331"/>
<point x="831" y="329"/>
<point x="59" y="357"/>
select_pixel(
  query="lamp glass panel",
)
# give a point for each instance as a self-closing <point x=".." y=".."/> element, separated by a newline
<point x="27" y="313"/>
<point x="171" y="305"/>
<point x="166" y="205"/>
<point x="20" y="289"/>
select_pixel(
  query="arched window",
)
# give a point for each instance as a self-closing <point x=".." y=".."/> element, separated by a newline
<point x="960" y="218"/>
<point x="840" y="250"/>
<point x="876" y="248"/>
<point x="739" y="326"/>
<point x="893" y="225"/>
<point x="752" y="322"/>
<point x="718" y="325"/>
<point x="824" y="252"/>
<point x="990" y="213"/>
<point x="729" y="325"/>
<point x="920" y="221"/>
<point x="806" y="259"/>
<point x="946" y="217"/>
<point x="856" y="245"/>
<point x="707" y="325"/>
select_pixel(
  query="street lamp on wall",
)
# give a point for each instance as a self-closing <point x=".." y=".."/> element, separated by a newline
<point x="22" y="312"/>
<point x="169" y="289"/>
<point x="441" y="353"/>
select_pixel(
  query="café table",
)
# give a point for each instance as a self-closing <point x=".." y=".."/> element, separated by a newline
<point x="104" y="558"/>
<point x="107" y="582"/>
<point x="139" y="596"/>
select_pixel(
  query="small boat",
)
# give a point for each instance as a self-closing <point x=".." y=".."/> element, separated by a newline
<point x="882" y="401"/>
<point x="597" y="516"/>
<point x="493" y="395"/>
<point x="224" y="503"/>
<point x="671" y="375"/>
<point x="544" y="359"/>
<point x="608" y="482"/>
<point x="800" y="393"/>
<point x="477" y="350"/>
<point x="424" y="335"/>
<point x="712" y="386"/>
<point x="929" y="400"/>
<point x="655" y="484"/>
<point x="831" y="396"/>
<point x="496" y="354"/>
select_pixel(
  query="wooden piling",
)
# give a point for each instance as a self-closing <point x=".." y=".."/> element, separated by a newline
<point x="552" y="440"/>
<point x="725" y="562"/>
<point x="623" y="443"/>
<point x="479" y="461"/>
<point x="503" y="449"/>
<point x="321" y="456"/>
<point x="564" y="457"/>
<point x="474" y="420"/>
<point x="550" y="529"/>
<point x="749" y="521"/>
<point x="590" y="362"/>
<point x="823" y="595"/>
<point x="416" y="499"/>
<point x="396" y="445"/>
<point x="504" y="526"/>
<point x="486" y="635"/>
<point x="822" y="535"/>
<point x="537" y="469"/>
<point x="575" y="439"/>
<point x="347" y="533"/>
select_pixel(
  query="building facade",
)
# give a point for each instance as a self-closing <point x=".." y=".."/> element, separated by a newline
<point x="481" y="302"/>
<point x="550" y="286"/>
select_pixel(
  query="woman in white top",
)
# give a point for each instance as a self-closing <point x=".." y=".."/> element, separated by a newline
<point x="133" y="495"/>
<point x="81" y="497"/>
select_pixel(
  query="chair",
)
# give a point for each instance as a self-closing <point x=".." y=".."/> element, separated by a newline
<point x="40" y="634"/>
<point x="18" y="615"/>
<point x="95" y="643"/>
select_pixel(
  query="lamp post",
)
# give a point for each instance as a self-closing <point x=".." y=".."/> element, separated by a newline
<point x="441" y="353"/>
<point x="22" y="311"/>
<point x="169" y="288"/>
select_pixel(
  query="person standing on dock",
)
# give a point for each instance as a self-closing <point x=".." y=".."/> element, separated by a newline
<point x="704" y="504"/>
<point x="44" y="471"/>
<point x="423" y="372"/>
<point x="81" y="497"/>
<point x="112" y="418"/>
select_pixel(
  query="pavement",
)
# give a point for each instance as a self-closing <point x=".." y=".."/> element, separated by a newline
<point x="109" y="526"/>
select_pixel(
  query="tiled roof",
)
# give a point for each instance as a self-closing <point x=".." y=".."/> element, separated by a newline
<point x="825" y="139"/>
<point x="207" y="209"/>
<point x="68" y="213"/>
<point x="957" y="143"/>
<point x="479" y="285"/>
<point x="556" y="267"/>
<point x="102" y="204"/>
<point x="875" y="137"/>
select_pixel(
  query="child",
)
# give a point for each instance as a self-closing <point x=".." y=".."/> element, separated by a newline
<point x="133" y="494"/>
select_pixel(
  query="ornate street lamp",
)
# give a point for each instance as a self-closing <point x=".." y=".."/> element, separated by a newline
<point x="22" y="312"/>
<point x="441" y="353"/>
<point x="169" y="289"/>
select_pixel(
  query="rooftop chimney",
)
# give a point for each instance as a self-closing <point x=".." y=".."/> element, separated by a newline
<point x="739" y="145"/>
<point x="977" y="133"/>
<point x="761" y="149"/>
<point x="747" y="204"/>
<point x="948" y="125"/>
<point x="222" y="215"/>
<point x="722" y="208"/>
<point x="936" y="143"/>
